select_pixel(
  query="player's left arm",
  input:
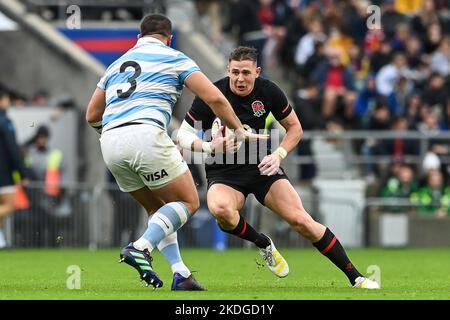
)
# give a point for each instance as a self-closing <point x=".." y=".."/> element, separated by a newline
<point x="95" y="109"/>
<point x="283" y="112"/>
<point x="271" y="163"/>
<point x="294" y="132"/>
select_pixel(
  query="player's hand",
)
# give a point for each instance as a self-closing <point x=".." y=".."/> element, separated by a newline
<point x="221" y="144"/>
<point x="244" y="135"/>
<point x="270" y="165"/>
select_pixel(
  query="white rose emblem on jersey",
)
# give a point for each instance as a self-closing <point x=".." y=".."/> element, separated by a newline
<point x="258" y="108"/>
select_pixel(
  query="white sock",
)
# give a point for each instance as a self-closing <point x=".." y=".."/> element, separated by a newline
<point x="171" y="251"/>
<point x="168" y="219"/>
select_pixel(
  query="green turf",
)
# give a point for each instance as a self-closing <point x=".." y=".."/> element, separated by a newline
<point x="233" y="274"/>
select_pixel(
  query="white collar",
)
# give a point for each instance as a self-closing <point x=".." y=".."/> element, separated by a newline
<point x="147" y="39"/>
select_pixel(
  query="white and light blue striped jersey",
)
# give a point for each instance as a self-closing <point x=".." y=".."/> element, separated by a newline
<point x="144" y="84"/>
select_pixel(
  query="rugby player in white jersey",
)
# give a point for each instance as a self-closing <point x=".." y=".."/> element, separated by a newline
<point x="131" y="107"/>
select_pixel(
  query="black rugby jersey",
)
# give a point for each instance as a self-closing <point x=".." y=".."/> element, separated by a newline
<point x="252" y="110"/>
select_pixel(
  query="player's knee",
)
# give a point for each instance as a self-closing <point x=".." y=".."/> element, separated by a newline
<point x="220" y="211"/>
<point x="192" y="205"/>
<point x="303" y="222"/>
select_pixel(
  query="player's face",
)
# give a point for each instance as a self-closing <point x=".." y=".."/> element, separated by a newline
<point x="242" y="76"/>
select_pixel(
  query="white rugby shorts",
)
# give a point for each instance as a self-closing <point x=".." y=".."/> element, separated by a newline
<point x="141" y="155"/>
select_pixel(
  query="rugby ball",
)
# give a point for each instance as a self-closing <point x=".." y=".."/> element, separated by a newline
<point x="217" y="123"/>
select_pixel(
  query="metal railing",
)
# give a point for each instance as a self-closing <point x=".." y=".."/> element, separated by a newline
<point x="103" y="216"/>
<point x="345" y="141"/>
<point x="95" y="216"/>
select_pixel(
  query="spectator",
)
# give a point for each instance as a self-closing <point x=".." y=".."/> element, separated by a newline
<point x="339" y="41"/>
<point x="400" y="147"/>
<point x="51" y="207"/>
<point x="425" y="17"/>
<point x="307" y="44"/>
<point x="388" y="79"/>
<point x="381" y="57"/>
<point x="17" y="99"/>
<point x="401" y="185"/>
<point x="273" y="15"/>
<point x="336" y="81"/>
<point x="379" y="120"/>
<point x="412" y="112"/>
<point x="390" y="17"/>
<point x="414" y="52"/>
<point x="430" y="124"/>
<point x="433" y="37"/>
<point x="295" y="29"/>
<point x="381" y="116"/>
<point x="357" y="20"/>
<point x="433" y="199"/>
<point x="389" y="75"/>
<point x="435" y="95"/>
<point x="373" y="40"/>
<point x="401" y="37"/>
<point x="313" y="61"/>
<point x="41" y="98"/>
<point x="440" y="59"/>
<point x="307" y="107"/>
<point x="365" y="103"/>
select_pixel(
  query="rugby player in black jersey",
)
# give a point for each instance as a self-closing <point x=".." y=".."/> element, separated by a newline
<point x="229" y="182"/>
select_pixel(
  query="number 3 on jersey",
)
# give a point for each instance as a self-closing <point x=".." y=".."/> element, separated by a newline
<point x="131" y="80"/>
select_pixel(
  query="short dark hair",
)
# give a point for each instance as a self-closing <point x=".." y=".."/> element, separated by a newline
<point x="4" y="92"/>
<point x="243" y="53"/>
<point x="156" y="24"/>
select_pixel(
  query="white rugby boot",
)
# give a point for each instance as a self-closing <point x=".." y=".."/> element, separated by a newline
<point x="274" y="260"/>
<point x="364" y="283"/>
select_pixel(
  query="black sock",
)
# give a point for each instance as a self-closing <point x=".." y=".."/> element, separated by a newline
<point x="330" y="247"/>
<point x="245" y="231"/>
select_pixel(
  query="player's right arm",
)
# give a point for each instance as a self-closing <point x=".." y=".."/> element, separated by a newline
<point x="95" y="109"/>
<point x="202" y="87"/>
<point x="188" y="139"/>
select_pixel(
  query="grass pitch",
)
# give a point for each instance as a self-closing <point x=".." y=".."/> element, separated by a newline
<point x="233" y="274"/>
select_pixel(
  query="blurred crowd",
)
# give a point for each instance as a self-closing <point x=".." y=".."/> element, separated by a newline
<point x="344" y="68"/>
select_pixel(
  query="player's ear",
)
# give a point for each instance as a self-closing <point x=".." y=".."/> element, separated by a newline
<point x="169" y="40"/>
<point x="258" y="71"/>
